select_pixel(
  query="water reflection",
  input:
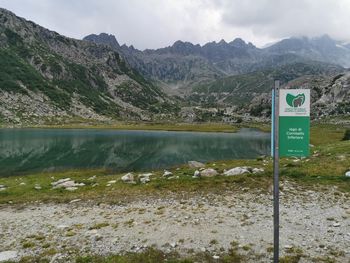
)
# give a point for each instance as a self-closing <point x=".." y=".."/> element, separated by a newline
<point x="25" y="151"/>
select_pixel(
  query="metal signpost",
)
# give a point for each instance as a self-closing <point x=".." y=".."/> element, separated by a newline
<point x="290" y="136"/>
<point x="275" y="144"/>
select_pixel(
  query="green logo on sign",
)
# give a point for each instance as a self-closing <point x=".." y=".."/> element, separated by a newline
<point x="295" y="101"/>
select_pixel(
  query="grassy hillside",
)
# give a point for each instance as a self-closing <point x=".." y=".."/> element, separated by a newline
<point x="66" y="78"/>
<point x="241" y="89"/>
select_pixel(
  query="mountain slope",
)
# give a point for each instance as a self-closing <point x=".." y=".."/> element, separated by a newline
<point x="330" y="95"/>
<point x="241" y="89"/>
<point x="322" y="48"/>
<point x="46" y="75"/>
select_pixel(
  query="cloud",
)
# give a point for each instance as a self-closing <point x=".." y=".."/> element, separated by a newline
<point x="159" y="23"/>
<point x="284" y="18"/>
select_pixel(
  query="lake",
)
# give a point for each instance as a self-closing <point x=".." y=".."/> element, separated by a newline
<point x="25" y="151"/>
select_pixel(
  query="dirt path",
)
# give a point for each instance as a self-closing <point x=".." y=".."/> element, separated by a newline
<point x="313" y="224"/>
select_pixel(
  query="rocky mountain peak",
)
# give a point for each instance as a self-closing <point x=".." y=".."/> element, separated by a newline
<point x="222" y="42"/>
<point x="103" y="38"/>
<point x="238" y="42"/>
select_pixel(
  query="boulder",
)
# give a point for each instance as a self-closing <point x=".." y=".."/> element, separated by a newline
<point x="210" y="172"/>
<point x="145" y="178"/>
<point x="347" y="174"/>
<point x="167" y="173"/>
<point x="236" y="171"/>
<point x="195" y="164"/>
<point x="128" y="178"/>
<point x="8" y="255"/>
<point x="67" y="184"/>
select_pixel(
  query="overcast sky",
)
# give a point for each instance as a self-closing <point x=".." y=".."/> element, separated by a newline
<point x="159" y="23"/>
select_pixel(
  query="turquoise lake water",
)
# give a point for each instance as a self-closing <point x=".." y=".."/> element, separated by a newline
<point x="25" y="151"/>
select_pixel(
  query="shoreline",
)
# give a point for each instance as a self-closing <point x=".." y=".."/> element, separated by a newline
<point x="189" y="127"/>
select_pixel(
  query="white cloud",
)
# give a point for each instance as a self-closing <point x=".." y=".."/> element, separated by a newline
<point x="159" y="23"/>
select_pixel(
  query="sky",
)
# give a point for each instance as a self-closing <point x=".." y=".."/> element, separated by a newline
<point x="159" y="23"/>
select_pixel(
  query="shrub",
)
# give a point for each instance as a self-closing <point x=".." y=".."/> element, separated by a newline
<point x="346" y="135"/>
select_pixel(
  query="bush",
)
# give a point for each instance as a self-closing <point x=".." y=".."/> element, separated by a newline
<point x="346" y="135"/>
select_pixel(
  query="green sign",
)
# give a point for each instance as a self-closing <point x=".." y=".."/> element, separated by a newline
<point x="294" y="122"/>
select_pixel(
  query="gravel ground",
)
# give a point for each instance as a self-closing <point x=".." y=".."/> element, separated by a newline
<point x="315" y="224"/>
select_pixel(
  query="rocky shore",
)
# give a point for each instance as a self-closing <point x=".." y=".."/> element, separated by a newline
<point x="315" y="226"/>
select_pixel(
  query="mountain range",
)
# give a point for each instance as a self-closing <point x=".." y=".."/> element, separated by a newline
<point x="184" y="64"/>
<point x="48" y="78"/>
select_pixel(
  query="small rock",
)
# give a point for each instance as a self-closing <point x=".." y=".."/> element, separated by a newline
<point x="74" y="201"/>
<point x="128" y="178"/>
<point x="196" y="174"/>
<point x="336" y="224"/>
<point x="195" y="164"/>
<point x="145" y="180"/>
<point x="8" y="255"/>
<point x="37" y="187"/>
<point x="210" y="172"/>
<point x="347" y="174"/>
<point x="60" y="181"/>
<point x="92" y="178"/>
<point x="112" y="182"/>
<point x="216" y="257"/>
<point x="257" y="170"/>
<point x="173" y="244"/>
<point x="23" y="183"/>
<point x="167" y="173"/>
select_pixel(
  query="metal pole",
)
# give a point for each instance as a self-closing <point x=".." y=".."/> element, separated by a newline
<point x="275" y="175"/>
